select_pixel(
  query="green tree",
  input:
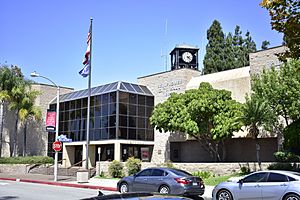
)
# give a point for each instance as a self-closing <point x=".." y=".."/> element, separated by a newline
<point x="28" y="112"/>
<point x="285" y="18"/>
<point x="10" y="79"/>
<point x="257" y="114"/>
<point x="237" y="44"/>
<point x="281" y="90"/>
<point x="265" y="44"/>
<point x="214" y="57"/>
<point x="249" y="46"/>
<point x="206" y="114"/>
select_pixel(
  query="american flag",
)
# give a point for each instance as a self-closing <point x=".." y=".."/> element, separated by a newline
<point x="86" y="61"/>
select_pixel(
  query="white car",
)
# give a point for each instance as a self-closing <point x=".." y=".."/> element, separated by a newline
<point x="264" y="185"/>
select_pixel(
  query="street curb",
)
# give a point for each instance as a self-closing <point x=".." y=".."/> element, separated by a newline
<point x="61" y="184"/>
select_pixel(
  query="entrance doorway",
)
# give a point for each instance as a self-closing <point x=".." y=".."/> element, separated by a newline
<point x="78" y="154"/>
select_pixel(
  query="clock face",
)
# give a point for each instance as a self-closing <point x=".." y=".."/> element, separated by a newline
<point x="187" y="57"/>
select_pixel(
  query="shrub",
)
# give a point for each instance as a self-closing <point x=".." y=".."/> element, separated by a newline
<point x="168" y="164"/>
<point x="203" y="174"/>
<point x="245" y="169"/>
<point x="281" y="156"/>
<point x="115" y="169"/>
<point x="27" y="160"/>
<point x="133" y="165"/>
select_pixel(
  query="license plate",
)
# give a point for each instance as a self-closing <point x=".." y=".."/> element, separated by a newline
<point x="195" y="183"/>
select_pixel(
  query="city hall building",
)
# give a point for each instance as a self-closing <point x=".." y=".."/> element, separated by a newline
<point x="120" y="112"/>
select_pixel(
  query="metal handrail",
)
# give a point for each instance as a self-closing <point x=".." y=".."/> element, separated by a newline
<point x="76" y="164"/>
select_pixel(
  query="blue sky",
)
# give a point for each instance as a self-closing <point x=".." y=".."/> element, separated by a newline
<point x="49" y="36"/>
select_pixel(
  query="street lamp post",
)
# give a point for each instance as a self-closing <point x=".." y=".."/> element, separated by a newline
<point x="34" y="74"/>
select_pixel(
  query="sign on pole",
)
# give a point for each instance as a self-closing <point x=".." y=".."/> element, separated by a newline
<point x="57" y="146"/>
<point x="51" y="121"/>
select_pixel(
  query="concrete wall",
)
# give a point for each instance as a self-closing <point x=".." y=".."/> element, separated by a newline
<point x="215" y="168"/>
<point x="265" y="59"/>
<point x="37" y="137"/>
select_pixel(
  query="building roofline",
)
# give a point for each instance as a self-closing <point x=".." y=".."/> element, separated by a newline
<point x="166" y="72"/>
<point x="50" y="85"/>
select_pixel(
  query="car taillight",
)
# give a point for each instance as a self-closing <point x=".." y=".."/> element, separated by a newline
<point x="182" y="181"/>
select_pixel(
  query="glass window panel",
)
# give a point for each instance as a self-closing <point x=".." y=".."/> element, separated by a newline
<point x="123" y="108"/>
<point x="132" y="133"/>
<point x="132" y="110"/>
<point x="112" y="97"/>
<point x="104" y="133"/>
<point x="123" y="97"/>
<point x="92" y="112"/>
<point x="146" y="90"/>
<point x="78" y="113"/>
<point x="98" y="122"/>
<point x="122" y="87"/>
<point x="67" y="117"/>
<point x="61" y="116"/>
<point x="83" y="135"/>
<point x="149" y="111"/>
<point x="132" y="121"/>
<point x="84" y="113"/>
<point x="91" y="135"/>
<point x="122" y="133"/>
<point x="112" y="108"/>
<point x="129" y="87"/>
<point x="97" y="111"/>
<point x="104" y="122"/>
<point x="104" y="99"/>
<point x="72" y="114"/>
<point x="112" y="133"/>
<point x="78" y="124"/>
<point x="78" y="103"/>
<point x="84" y="103"/>
<point x="83" y="124"/>
<point x="67" y="105"/>
<point x="141" y="111"/>
<point x="72" y="105"/>
<point x="149" y="101"/>
<point x="66" y="126"/>
<point x="72" y="125"/>
<point x="92" y="123"/>
<point x="141" y="122"/>
<point x="141" y="100"/>
<point x="61" y="126"/>
<point x="77" y="136"/>
<point x="97" y="134"/>
<point x="137" y="88"/>
<point x="141" y="134"/>
<point x="112" y="121"/>
<point x="98" y="100"/>
<point x="148" y="123"/>
<point x="61" y="106"/>
<point x="109" y="87"/>
<point x="92" y="103"/>
<point x="115" y="86"/>
<point x="104" y="109"/>
<point x="122" y="120"/>
<point x="132" y="98"/>
<point x="150" y="135"/>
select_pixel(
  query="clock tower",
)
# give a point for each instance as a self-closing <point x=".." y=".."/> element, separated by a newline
<point x="184" y="56"/>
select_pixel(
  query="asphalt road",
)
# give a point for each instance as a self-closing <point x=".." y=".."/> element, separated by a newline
<point x="12" y="190"/>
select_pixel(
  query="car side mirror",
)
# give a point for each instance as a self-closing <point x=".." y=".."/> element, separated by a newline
<point x="241" y="181"/>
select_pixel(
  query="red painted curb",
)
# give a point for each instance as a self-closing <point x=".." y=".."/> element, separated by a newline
<point x="62" y="184"/>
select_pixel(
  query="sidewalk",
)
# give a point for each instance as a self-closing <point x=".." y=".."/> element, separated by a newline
<point x="70" y="181"/>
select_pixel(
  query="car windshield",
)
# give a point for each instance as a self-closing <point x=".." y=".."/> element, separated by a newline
<point x="180" y="172"/>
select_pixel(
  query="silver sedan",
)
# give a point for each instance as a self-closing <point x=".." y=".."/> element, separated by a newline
<point x="272" y="184"/>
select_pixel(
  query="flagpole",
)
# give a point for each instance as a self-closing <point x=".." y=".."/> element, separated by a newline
<point x="89" y="100"/>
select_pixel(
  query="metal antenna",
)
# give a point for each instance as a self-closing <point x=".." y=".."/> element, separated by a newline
<point x="164" y="54"/>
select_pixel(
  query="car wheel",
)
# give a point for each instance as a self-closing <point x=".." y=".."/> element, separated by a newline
<point x="292" y="197"/>
<point x="224" y="195"/>
<point x="124" y="188"/>
<point x="164" y="189"/>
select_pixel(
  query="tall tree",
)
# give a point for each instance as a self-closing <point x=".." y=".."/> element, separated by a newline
<point x="285" y="18"/>
<point x="265" y="44"/>
<point x="281" y="89"/>
<point x="249" y="46"/>
<point x="237" y="44"/>
<point x="214" y="57"/>
<point x="206" y="114"/>
<point x="257" y="114"/>
<point x="10" y="77"/>
<point x="28" y="112"/>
